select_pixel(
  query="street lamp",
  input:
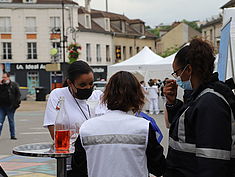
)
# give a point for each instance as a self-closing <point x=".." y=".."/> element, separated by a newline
<point x="63" y="30"/>
<point x="73" y="31"/>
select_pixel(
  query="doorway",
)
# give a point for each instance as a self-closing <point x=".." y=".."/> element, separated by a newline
<point x="32" y="81"/>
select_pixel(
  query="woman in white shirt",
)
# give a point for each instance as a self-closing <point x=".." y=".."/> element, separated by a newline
<point x="80" y="89"/>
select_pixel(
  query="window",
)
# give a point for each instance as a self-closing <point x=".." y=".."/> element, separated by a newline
<point x="107" y="24"/>
<point x="98" y="53"/>
<point x="57" y="46"/>
<point x="32" y="50"/>
<point x="124" y="52"/>
<point x="141" y="28"/>
<point x="137" y="49"/>
<point x="205" y="35"/>
<point x="88" y="52"/>
<point x="55" y="24"/>
<point x="118" y="52"/>
<point x="5" y="0"/>
<point x="5" y="24"/>
<point x="131" y="51"/>
<point x="211" y="35"/>
<point x="29" y="1"/>
<point x="7" y="51"/>
<point x="108" y="59"/>
<point x="30" y="25"/>
<point x="88" y="23"/>
<point x="123" y="27"/>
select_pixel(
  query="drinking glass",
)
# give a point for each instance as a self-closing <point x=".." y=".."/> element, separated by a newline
<point x="74" y="132"/>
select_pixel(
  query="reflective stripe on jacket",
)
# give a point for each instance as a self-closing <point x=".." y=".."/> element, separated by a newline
<point x="200" y="140"/>
<point x="181" y="145"/>
<point x="117" y="142"/>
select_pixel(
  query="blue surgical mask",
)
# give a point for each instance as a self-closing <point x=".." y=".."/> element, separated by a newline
<point x="186" y="85"/>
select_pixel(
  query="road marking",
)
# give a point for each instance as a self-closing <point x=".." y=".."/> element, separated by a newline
<point x="34" y="133"/>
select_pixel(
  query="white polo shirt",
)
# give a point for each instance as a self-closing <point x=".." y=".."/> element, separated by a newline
<point x="74" y="113"/>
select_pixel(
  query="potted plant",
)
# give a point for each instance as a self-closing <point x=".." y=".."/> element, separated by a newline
<point x="74" y="52"/>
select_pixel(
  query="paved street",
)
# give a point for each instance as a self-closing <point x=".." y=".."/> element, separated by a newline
<point x="29" y="120"/>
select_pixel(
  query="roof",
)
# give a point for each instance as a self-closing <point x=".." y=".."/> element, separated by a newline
<point x="47" y="2"/>
<point x="135" y="21"/>
<point x="94" y="28"/>
<point x="112" y="16"/>
<point x="178" y="26"/>
<point x="213" y="22"/>
<point x="82" y="10"/>
<point x="229" y="4"/>
<point x="115" y="28"/>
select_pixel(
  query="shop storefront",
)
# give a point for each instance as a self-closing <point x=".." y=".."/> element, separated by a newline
<point x="32" y="75"/>
<point x="100" y="72"/>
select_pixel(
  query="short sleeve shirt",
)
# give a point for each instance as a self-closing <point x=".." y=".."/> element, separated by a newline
<point x="71" y="105"/>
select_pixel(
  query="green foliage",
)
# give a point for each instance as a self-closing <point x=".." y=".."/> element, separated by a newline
<point x="192" y="24"/>
<point x="169" y="51"/>
<point x="155" y="31"/>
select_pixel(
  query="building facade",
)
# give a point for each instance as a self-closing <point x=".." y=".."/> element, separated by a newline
<point x="29" y="29"/>
<point x="211" y="31"/>
<point x="120" y="36"/>
<point x="176" y="37"/>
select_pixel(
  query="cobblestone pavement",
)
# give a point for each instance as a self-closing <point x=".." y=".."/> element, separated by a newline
<point x="29" y="120"/>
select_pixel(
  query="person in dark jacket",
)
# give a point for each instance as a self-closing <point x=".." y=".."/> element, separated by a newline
<point x="9" y="102"/>
<point x="200" y="128"/>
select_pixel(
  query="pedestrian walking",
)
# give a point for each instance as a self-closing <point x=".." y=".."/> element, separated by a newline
<point x="118" y="143"/>
<point x="9" y="102"/>
<point x="201" y="127"/>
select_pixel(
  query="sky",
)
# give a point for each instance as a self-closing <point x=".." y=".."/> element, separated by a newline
<point x="154" y="12"/>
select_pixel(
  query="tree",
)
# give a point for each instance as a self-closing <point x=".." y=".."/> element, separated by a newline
<point x="169" y="51"/>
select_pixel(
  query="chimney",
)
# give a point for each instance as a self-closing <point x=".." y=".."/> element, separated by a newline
<point x="87" y="5"/>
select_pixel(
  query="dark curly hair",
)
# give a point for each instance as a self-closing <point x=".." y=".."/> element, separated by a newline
<point x="78" y="68"/>
<point x="200" y="55"/>
<point x="123" y="92"/>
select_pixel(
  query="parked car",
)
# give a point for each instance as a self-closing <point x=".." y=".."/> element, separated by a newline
<point x="99" y="85"/>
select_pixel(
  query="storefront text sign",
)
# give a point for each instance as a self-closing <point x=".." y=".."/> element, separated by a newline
<point x="98" y="70"/>
<point x="30" y="66"/>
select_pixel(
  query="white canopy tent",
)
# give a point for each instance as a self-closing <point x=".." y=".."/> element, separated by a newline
<point x="162" y="68"/>
<point x="140" y="63"/>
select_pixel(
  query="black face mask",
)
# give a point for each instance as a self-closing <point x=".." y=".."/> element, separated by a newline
<point x="83" y="94"/>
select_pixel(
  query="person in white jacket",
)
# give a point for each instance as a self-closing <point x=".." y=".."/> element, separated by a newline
<point x="118" y="143"/>
<point x="153" y="98"/>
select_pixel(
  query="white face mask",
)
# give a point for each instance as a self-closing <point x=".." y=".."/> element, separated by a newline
<point x="6" y="81"/>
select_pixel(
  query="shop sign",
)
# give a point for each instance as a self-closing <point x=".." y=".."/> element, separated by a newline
<point x="30" y="66"/>
<point x="98" y="70"/>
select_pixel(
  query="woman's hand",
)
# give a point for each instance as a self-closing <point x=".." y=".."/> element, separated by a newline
<point x="170" y="91"/>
